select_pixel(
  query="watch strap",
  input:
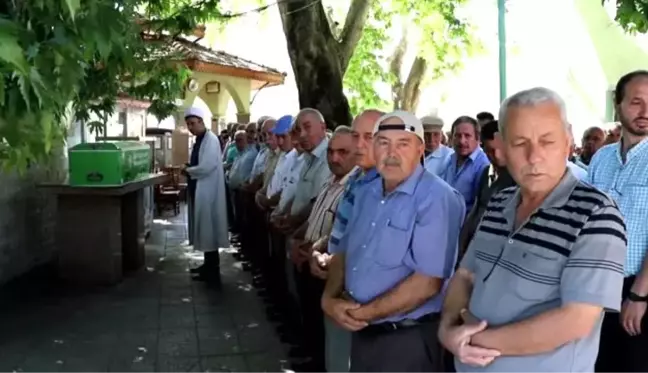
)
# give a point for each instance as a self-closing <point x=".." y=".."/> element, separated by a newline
<point x="637" y="298"/>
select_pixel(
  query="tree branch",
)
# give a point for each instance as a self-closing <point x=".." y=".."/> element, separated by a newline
<point x="411" y="88"/>
<point x="352" y="31"/>
<point x="395" y="67"/>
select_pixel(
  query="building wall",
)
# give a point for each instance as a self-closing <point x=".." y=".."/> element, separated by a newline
<point x="27" y="219"/>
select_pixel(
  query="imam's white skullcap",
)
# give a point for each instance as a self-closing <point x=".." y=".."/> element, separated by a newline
<point x="199" y="112"/>
<point x="410" y="123"/>
<point x="431" y="122"/>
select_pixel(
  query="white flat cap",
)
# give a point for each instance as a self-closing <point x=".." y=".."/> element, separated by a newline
<point x="431" y="122"/>
<point x="409" y="123"/>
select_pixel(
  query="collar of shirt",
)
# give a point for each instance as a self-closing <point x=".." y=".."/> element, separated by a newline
<point x="440" y="152"/>
<point x="634" y="151"/>
<point x="320" y="150"/>
<point x="408" y="186"/>
<point x="558" y="197"/>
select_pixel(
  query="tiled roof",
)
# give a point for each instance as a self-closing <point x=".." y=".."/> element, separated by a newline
<point x="192" y="50"/>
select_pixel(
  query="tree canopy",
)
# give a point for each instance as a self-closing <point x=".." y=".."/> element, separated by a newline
<point x="632" y="15"/>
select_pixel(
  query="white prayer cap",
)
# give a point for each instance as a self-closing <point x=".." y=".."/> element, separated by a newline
<point x="199" y="112"/>
<point x="409" y="123"/>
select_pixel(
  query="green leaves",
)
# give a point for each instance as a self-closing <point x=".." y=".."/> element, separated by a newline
<point x="72" y="7"/>
<point x="632" y="15"/>
<point x="66" y="60"/>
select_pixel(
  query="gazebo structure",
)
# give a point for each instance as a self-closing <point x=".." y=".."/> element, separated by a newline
<point x="216" y="78"/>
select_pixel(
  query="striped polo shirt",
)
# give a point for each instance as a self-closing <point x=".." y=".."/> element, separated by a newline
<point x="320" y="220"/>
<point x="570" y="250"/>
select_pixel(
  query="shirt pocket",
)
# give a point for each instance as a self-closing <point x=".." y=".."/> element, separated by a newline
<point x="536" y="273"/>
<point x="393" y="241"/>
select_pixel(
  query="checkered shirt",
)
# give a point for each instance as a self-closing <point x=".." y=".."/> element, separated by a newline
<point x="627" y="184"/>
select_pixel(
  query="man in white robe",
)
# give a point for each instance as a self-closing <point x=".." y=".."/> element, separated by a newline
<point x="208" y="228"/>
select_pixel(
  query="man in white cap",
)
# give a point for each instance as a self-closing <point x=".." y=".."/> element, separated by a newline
<point x="208" y="228"/>
<point x="399" y="250"/>
<point x="436" y="154"/>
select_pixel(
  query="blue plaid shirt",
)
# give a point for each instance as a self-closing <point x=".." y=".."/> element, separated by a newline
<point x="345" y="207"/>
<point x="627" y="184"/>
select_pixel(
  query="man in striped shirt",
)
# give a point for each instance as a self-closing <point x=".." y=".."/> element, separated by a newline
<point x="309" y="241"/>
<point x="546" y="260"/>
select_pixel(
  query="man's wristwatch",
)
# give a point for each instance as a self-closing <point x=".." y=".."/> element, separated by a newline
<point x="634" y="297"/>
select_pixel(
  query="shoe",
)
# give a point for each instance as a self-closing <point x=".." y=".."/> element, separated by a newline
<point x="208" y="277"/>
<point x="247" y="266"/>
<point x="197" y="270"/>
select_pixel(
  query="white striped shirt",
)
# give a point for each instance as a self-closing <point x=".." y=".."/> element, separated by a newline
<point x="320" y="220"/>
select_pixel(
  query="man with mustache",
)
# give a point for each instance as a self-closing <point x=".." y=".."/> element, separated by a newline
<point x="399" y="249"/>
<point x="465" y="166"/>
<point x="621" y="170"/>
<point x="338" y="339"/>
<point x="546" y="260"/>
<point x="436" y="154"/>
<point x="313" y="236"/>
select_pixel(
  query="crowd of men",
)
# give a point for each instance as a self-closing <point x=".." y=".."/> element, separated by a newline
<point x="383" y="247"/>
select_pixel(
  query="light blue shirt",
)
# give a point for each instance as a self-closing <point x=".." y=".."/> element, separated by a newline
<point x="345" y="207"/>
<point x="466" y="178"/>
<point x="242" y="167"/>
<point x="627" y="184"/>
<point x="579" y="172"/>
<point x="436" y="161"/>
<point x="415" y="228"/>
<point x="259" y="162"/>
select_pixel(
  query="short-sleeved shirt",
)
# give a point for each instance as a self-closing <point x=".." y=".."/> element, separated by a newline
<point x="627" y="184"/>
<point x="231" y="153"/>
<point x="320" y="220"/>
<point x="283" y="166"/>
<point x="571" y="250"/>
<point x="345" y="207"/>
<point x="289" y="185"/>
<point x="260" y="162"/>
<point x="242" y="167"/>
<point x="437" y="161"/>
<point x="413" y="229"/>
<point x="314" y="175"/>
<point x="465" y="179"/>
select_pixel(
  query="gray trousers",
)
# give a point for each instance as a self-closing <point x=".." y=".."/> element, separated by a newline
<point x="338" y="347"/>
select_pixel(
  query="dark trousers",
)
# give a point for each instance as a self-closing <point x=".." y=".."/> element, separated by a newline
<point x="310" y="291"/>
<point x="618" y="351"/>
<point x="411" y="349"/>
<point x="230" y="209"/>
<point x="239" y="210"/>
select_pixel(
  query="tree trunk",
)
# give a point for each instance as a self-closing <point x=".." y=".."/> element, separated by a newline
<point x="318" y="59"/>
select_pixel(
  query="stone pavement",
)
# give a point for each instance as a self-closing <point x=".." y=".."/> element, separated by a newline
<point x="155" y="320"/>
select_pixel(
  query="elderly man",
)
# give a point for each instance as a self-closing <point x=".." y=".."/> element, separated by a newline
<point x="400" y="248"/>
<point x="436" y="154"/>
<point x="466" y="164"/>
<point x="338" y="339"/>
<point x="310" y="241"/>
<point x="546" y="260"/>
<point x="621" y="171"/>
<point x="238" y="175"/>
<point x="207" y="200"/>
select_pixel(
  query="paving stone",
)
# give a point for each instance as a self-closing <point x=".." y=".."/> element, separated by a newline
<point x="177" y="316"/>
<point x="157" y="320"/>
<point x="178" y="364"/>
<point x="219" y="341"/>
<point x="178" y="342"/>
<point x="232" y="363"/>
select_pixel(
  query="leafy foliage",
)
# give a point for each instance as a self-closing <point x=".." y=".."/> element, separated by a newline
<point x="445" y="40"/>
<point x="632" y="15"/>
<point x="62" y="60"/>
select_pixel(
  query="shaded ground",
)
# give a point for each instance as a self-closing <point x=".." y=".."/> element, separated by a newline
<point x="155" y="320"/>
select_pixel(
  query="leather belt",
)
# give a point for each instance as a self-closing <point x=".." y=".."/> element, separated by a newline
<point x="391" y="326"/>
